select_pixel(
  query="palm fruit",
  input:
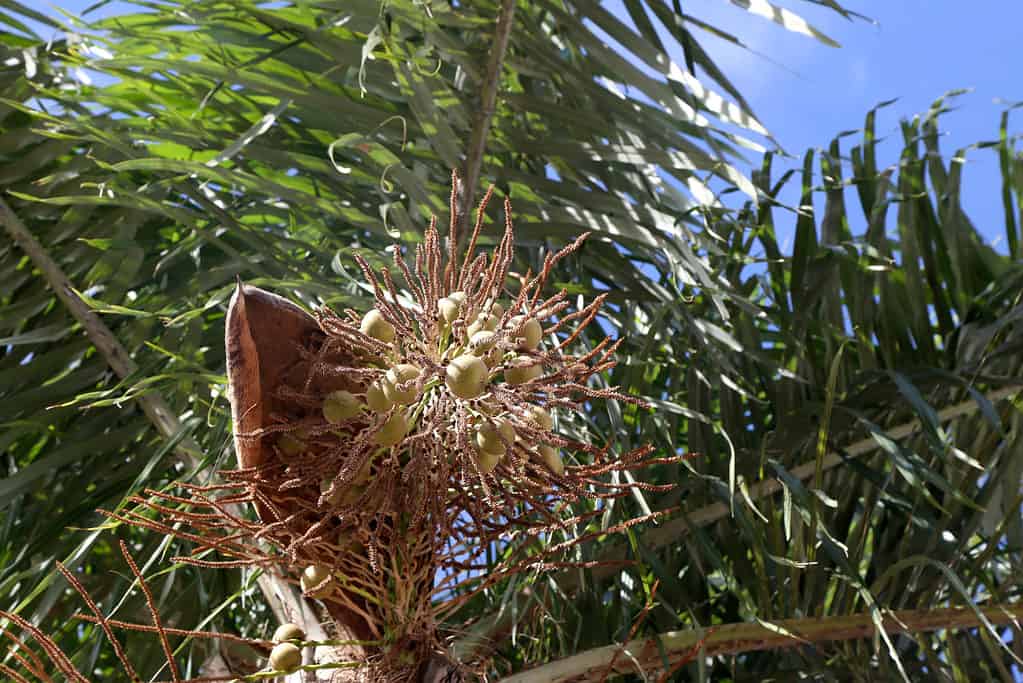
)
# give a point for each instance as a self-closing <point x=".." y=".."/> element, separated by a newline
<point x="541" y="417"/>
<point x="287" y="632"/>
<point x="376" y="399"/>
<point x="492" y="437"/>
<point x="400" y="374"/>
<point x="520" y="374"/>
<point x="448" y="309"/>
<point x="290" y="445"/>
<point x="312" y="576"/>
<point x="552" y="458"/>
<point x="484" y="321"/>
<point x="374" y="325"/>
<point x="481" y="342"/>
<point x="340" y="405"/>
<point x="531" y="333"/>
<point x="466" y="376"/>
<point x="285" y="657"/>
<point x="392" y="431"/>
<point x="487" y="461"/>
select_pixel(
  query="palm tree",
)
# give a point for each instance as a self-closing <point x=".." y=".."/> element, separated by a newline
<point x="852" y="406"/>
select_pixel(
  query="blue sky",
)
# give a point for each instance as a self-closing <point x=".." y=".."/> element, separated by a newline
<point x="805" y="92"/>
<point x="919" y="49"/>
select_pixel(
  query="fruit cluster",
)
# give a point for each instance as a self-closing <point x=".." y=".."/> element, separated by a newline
<point x="473" y="356"/>
<point x="386" y="450"/>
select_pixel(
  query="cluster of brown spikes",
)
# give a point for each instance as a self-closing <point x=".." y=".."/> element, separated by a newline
<point x="388" y="453"/>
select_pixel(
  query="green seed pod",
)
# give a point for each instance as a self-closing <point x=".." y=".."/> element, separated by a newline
<point x="448" y="309"/>
<point x="520" y="374"/>
<point x="312" y="576"/>
<point x="400" y="374"/>
<point x="376" y="399"/>
<point x="285" y="657"/>
<point x="466" y="376"/>
<point x="496" y="310"/>
<point x="531" y="333"/>
<point x="341" y="405"/>
<point x="287" y="632"/>
<point x="487" y="461"/>
<point x="552" y="458"/>
<point x="489" y="437"/>
<point x="392" y="431"/>
<point x="541" y="417"/>
<point x="289" y="445"/>
<point x="374" y="325"/>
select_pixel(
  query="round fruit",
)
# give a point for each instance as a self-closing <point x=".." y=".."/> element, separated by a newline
<point x="552" y="458"/>
<point x="401" y="374"/>
<point x="376" y="399"/>
<point x="487" y="461"/>
<point x="458" y="297"/>
<point x="484" y="321"/>
<point x="541" y="417"/>
<point x="448" y="309"/>
<point x="531" y="333"/>
<point x="290" y="445"/>
<point x="520" y="374"/>
<point x="374" y="325"/>
<point x="392" y="431"/>
<point x="340" y="405"/>
<point x="496" y="310"/>
<point x="287" y="632"/>
<point x="466" y="376"/>
<point x="312" y="576"/>
<point x="285" y="657"/>
<point x="494" y="440"/>
<point x="481" y="342"/>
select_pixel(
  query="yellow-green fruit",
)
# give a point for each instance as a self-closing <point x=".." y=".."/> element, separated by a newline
<point x="531" y="333"/>
<point x="287" y="632"/>
<point x="448" y="309"/>
<point x="340" y="405"/>
<point x="541" y="417"/>
<point x="493" y="357"/>
<point x="400" y="374"/>
<point x="487" y="461"/>
<point x="520" y="374"/>
<point x="484" y="321"/>
<point x="289" y="445"/>
<point x="496" y="310"/>
<point x="481" y="342"/>
<point x="392" y="431"/>
<point x="285" y="657"/>
<point x="376" y="399"/>
<point x="458" y="297"/>
<point x="374" y="325"/>
<point x="312" y="576"/>
<point x="489" y="438"/>
<point x="552" y="458"/>
<point x="466" y="376"/>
